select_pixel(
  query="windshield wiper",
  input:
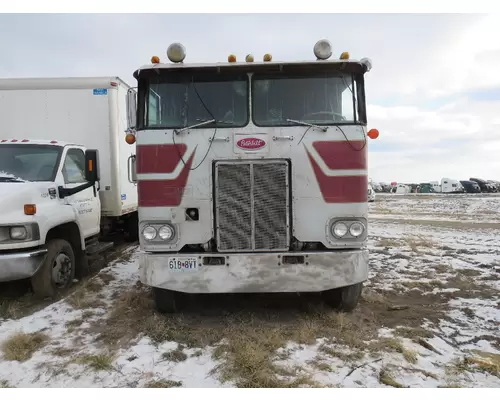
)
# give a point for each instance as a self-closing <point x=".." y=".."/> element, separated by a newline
<point x="203" y="122"/>
<point x="10" y="179"/>
<point x="323" y="128"/>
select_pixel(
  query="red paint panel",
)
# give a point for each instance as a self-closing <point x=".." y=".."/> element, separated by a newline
<point x="341" y="189"/>
<point x="159" y="158"/>
<point x="340" y="155"/>
<point x="165" y="192"/>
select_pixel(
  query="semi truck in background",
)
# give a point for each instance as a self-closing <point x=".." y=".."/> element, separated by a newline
<point x="252" y="176"/>
<point x="63" y="177"/>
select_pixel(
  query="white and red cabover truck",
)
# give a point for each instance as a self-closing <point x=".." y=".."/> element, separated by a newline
<point x="252" y="176"/>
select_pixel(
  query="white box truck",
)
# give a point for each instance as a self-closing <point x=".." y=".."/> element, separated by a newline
<point x="63" y="177"/>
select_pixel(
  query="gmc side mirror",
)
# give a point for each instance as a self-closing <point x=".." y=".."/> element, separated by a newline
<point x="131" y="109"/>
<point x="92" y="166"/>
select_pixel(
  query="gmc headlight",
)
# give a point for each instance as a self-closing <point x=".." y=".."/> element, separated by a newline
<point x="166" y="232"/>
<point x="18" y="233"/>
<point x="149" y="233"/>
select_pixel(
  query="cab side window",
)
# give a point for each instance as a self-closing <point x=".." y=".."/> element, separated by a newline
<point x="74" y="166"/>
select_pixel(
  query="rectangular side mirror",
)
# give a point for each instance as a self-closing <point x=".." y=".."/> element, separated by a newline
<point x="131" y="109"/>
<point x="92" y="166"/>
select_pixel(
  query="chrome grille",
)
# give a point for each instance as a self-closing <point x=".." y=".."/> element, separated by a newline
<point x="252" y="205"/>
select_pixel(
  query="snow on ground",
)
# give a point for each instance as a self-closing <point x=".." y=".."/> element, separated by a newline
<point x="429" y="317"/>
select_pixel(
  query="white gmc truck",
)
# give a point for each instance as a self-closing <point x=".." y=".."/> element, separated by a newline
<point x="63" y="177"/>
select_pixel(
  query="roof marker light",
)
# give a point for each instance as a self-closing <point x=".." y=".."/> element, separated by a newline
<point x="231" y="58"/>
<point x="14" y="140"/>
<point x="344" y="55"/>
<point x="323" y="49"/>
<point x="268" y="57"/>
<point x="176" y="52"/>
<point x="249" y="58"/>
<point x="155" y="60"/>
<point x="53" y="141"/>
<point x="25" y="140"/>
<point x="367" y="63"/>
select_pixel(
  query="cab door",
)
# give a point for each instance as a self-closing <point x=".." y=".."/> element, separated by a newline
<point x="87" y="206"/>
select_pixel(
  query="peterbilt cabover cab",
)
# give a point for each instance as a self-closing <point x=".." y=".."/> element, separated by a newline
<point x="49" y="212"/>
<point x="252" y="176"/>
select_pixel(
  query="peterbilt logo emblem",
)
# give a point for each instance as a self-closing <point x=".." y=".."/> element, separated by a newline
<point x="251" y="144"/>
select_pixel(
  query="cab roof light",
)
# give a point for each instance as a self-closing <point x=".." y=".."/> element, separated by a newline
<point x="231" y="58"/>
<point x="249" y="58"/>
<point x="267" y="57"/>
<point x="155" y="60"/>
<point x="367" y="63"/>
<point x="323" y="49"/>
<point x="53" y="141"/>
<point x="344" y="55"/>
<point x="176" y="52"/>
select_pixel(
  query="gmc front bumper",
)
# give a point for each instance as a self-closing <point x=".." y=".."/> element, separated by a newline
<point x="257" y="272"/>
<point x="20" y="265"/>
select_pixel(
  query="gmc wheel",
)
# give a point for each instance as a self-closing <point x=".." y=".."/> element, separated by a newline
<point x="57" y="271"/>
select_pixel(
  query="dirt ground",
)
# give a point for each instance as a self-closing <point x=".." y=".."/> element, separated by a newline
<point x="429" y="317"/>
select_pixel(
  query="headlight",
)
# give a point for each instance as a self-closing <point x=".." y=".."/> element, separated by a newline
<point x="340" y="229"/>
<point x="356" y="229"/>
<point x="166" y="232"/>
<point x="18" y="233"/>
<point x="149" y="233"/>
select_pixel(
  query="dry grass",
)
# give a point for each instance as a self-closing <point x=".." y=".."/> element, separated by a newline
<point x="386" y="378"/>
<point x="10" y="309"/>
<point x="21" y="346"/>
<point x="98" y="362"/>
<point x="176" y="355"/>
<point x="249" y="337"/>
<point x="388" y="344"/>
<point x="163" y="383"/>
<point x="416" y="242"/>
<point x="4" y="384"/>
<point x="386" y="242"/>
<point x="62" y="351"/>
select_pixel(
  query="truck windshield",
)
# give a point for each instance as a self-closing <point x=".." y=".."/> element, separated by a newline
<point x="26" y="162"/>
<point x="180" y="100"/>
<point x="325" y="98"/>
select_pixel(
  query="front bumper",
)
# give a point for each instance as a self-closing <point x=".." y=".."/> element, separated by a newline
<point x="20" y="265"/>
<point x="257" y="272"/>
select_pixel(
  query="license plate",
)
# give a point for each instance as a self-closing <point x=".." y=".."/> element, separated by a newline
<point x="183" y="263"/>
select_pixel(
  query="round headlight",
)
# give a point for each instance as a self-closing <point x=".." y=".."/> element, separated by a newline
<point x="356" y="229"/>
<point x="323" y="49"/>
<point x="166" y="232"/>
<point x="340" y="229"/>
<point x="176" y="52"/>
<point x="149" y="233"/>
<point x="18" y="233"/>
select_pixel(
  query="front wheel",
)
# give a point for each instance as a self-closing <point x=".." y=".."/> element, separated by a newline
<point x="167" y="301"/>
<point x="57" y="271"/>
<point x="343" y="299"/>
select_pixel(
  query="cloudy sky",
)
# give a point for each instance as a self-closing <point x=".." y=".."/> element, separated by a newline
<point x="433" y="92"/>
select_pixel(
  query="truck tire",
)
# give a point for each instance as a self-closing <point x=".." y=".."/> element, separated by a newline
<point x="167" y="301"/>
<point x="132" y="228"/>
<point x="57" y="271"/>
<point x="343" y="299"/>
